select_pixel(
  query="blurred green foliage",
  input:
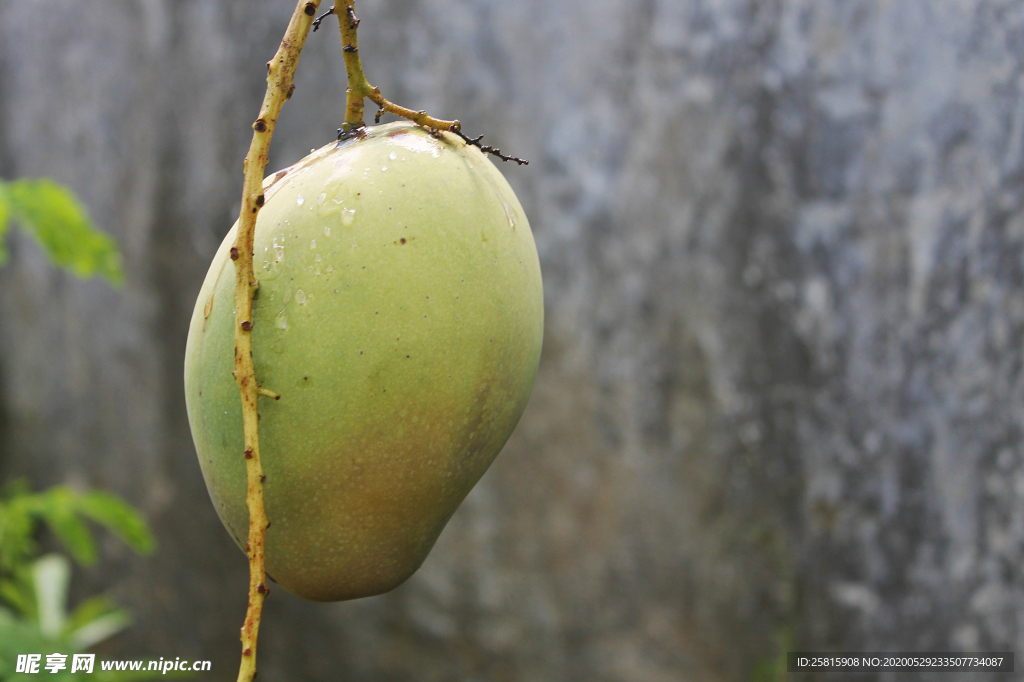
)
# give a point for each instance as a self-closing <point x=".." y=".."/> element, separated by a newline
<point x="52" y="215"/>
<point x="34" y="616"/>
<point x="33" y="589"/>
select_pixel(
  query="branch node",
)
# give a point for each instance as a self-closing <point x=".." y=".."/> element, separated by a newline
<point x="316" y="22"/>
<point x="267" y="393"/>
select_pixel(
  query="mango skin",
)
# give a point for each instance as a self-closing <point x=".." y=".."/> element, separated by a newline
<point x="400" y="316"/>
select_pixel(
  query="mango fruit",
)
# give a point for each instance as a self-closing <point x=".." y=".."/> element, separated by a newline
<point x="399" y="316"/>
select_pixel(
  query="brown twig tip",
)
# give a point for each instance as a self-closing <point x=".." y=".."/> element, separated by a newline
<point x="316" y="22"/>
<point x="486" y="149"/>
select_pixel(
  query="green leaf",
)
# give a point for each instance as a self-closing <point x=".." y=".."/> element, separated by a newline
<point x="90" y="610"/>
<point x="18" y="595"/>
<point x="52" y="214"/>
<point x="114" y="513"/>
<point x="37" y="587"/>
<point x="18" y="636"/>
<point x="5" y="214"/>
<point x="61" y="515"/>
<point x="16" y="487"/>
<point x="16" y="527"/>
<point x="95" y="620"/>
<point x="100" y="629"/>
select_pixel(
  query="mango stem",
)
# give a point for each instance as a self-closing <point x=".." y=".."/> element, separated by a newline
<point x="359" y="89"/>
<point x="280" y="85"/>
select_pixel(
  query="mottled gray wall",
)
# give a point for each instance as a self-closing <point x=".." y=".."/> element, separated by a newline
<point x="780" y="398"/>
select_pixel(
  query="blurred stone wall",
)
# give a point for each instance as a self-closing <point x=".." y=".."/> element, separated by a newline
<point x="780" y="402"/>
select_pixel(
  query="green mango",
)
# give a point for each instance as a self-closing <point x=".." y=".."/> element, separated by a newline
<point x="399" y="316"/>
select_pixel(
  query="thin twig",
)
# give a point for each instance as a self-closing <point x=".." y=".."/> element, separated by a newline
<point x="360" y="89"/>
<point x="316" y="22"/>
<point x="475" y="141"/>
<point x="280" y="74"/>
